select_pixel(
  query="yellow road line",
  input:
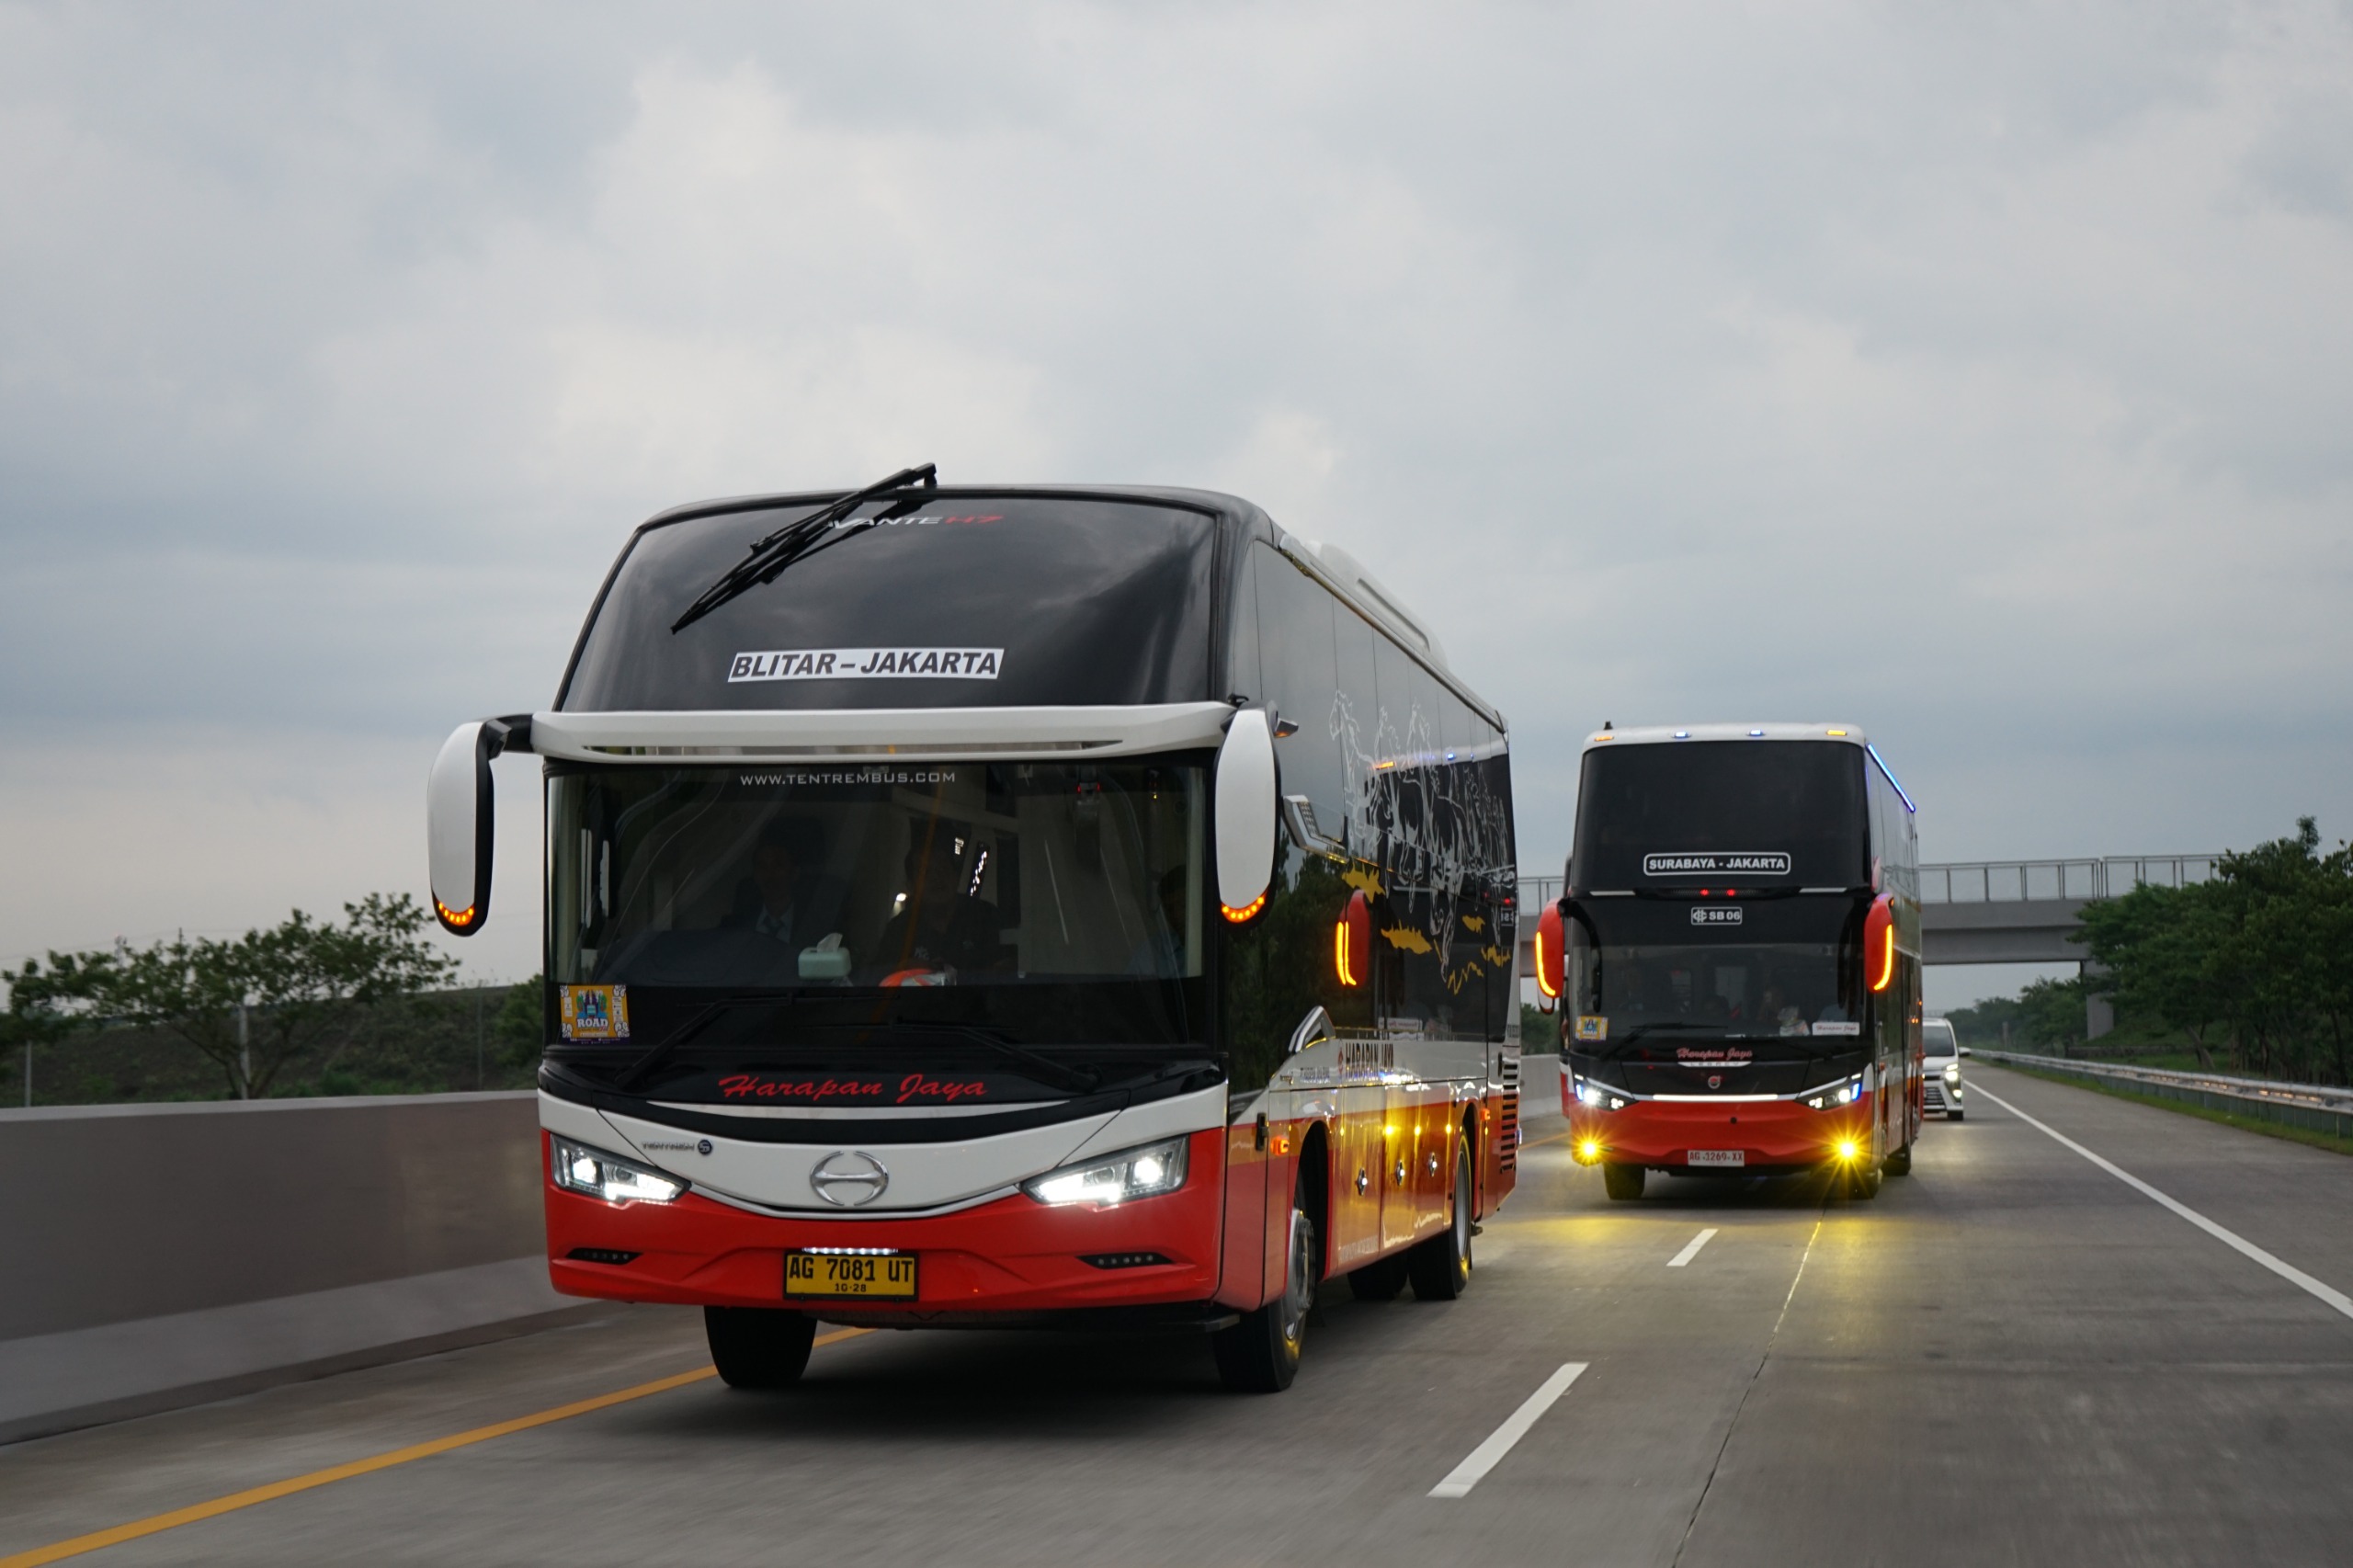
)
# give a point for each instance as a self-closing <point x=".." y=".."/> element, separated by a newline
<point x="99" y="1540"/>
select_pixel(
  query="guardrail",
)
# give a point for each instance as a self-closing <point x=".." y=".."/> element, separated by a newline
<point x="2021" y="881"/>
<point x="2314" y="1105"/>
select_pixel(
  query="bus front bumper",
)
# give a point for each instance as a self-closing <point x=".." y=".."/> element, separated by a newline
<point x="1012" y="1257"/>
<point x="1766" y="1135"/>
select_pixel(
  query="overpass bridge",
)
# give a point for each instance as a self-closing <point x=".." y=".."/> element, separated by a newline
<point x="1997" y="911"/>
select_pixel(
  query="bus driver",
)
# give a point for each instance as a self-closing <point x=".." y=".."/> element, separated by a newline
<point x="941" y="927"/>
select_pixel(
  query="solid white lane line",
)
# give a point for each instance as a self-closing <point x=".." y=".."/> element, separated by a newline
<point x="1464" y="1476"/>
<point x="1691" y="1248"/>
<point x="2231" y="1239"/>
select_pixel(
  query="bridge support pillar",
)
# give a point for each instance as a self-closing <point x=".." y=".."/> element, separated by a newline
<point x="2099" y="1013"/>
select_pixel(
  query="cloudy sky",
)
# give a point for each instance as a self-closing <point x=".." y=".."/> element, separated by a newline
<point x="1984" y="375"/>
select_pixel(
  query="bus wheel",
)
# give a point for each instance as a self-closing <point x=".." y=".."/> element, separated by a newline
<point x="1378" y="1281"/>
<point x="1900" y="1162"/>
<point x="1623" y="1183"/>
<point x="1440" y="1267"/>
<point x="1261" y="1354"/>
<point x="758" y="1347"/>
<point x="1863" y="1181"/>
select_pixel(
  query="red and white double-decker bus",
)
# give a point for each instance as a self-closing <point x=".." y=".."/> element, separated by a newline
<point x="992" y="906"/>
<point x="1737" y="961"/>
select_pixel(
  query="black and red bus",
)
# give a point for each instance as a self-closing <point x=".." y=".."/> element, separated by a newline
<point x="1009" y="905"/>
<point x="1737" y="960"/>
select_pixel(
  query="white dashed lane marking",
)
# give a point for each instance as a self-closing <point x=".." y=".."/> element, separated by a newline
<point x="1464" y="1476"/>
<point x="1691" y="1248"/>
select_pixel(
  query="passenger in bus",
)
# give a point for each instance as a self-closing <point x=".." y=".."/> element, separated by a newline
<point x="775" y="901"/>
<point x="940" y="926"/>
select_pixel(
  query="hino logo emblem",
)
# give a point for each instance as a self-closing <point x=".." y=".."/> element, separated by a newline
<point x="847" y="1178"/>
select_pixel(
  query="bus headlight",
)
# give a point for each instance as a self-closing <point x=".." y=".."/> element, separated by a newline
<point x="1836" y="1096"/>
<point x="1599" y="1098"/>
<point x="1146" y="1171"/>
<point x="579" y="1168"/>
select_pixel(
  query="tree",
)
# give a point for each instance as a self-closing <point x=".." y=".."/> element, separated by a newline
<point x="252" y="1003"/>
<point x="2052" y="1013"/>
<point x="2260" y="956"/>
<point x="519" y="1032"/>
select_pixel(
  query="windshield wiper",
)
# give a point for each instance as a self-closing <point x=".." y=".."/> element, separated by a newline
<point x="1045" y="1069"/>
<point x="797" y="541"/>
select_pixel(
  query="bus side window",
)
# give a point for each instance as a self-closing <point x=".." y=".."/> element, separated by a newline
<point x="1296" y="656"/>
<point x="1245" y="675"/>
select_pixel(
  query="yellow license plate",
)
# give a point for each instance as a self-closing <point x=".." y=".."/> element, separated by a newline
<point x="892" y="1276"/>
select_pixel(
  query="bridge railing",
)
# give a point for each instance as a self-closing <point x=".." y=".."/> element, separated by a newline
<point x="2018" y="882"/>
<point x="2009" y="881"/>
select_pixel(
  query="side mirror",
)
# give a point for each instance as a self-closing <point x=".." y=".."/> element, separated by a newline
<point x="1550" y="944"/>
<point x="1879" y="944"/>
<point x="1244" y="801"/>
<point x="1314" y="1029"/>
<point x="1966" y="1052"/>
<point x="457" y="833"/>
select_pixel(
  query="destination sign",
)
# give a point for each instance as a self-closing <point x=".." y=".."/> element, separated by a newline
<point x="1744" y="863"/>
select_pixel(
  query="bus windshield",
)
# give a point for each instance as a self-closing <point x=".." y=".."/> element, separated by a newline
<point x="978" y="894"/>
<point x="1647" y="967"/>
<point x="1768" y="815"/>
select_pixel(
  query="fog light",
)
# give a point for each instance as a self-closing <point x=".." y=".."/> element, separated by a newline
<point x="1588" y="1151"/>
<point x="1848" y="1149"/>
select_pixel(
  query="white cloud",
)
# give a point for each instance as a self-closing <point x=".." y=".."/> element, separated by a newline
<point x="1983" y="378"/>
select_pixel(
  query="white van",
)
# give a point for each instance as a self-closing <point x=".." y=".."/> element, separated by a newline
<point x="1940" y="1091"/>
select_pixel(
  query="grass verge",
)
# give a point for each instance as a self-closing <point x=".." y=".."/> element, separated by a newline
<point x="2269" y="1128"/>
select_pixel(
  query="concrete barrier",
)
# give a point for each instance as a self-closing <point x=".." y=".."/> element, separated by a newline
<point x="158" y="1255"/>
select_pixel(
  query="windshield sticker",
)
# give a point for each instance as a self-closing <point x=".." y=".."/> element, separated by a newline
<point x="595" y="1012"/>
<point x="1745" y="862"/>
<point x="850" y="775"/>
<point x="1715" y="914"/>
<point x="865" y="663"/>
<point x="1593" y="1027"/>
<point x="1837" y="1025"/>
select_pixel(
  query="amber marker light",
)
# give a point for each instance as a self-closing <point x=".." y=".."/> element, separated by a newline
<point x="1848" y="1149"/>
<point x="1352" y="941"/>
<point x="1238" y="916"/>
<point x="1589" y="1151"/>
<point x="1879" y="944"/>
<point x="456" y="919"/>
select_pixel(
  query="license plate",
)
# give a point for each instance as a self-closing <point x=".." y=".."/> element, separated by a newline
<point x="891" y="1276"/>
<point x="1717" y="1157"/>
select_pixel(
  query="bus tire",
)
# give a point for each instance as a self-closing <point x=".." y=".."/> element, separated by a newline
<point x="1622" y="1183"/>
<point x="1378" y="1281"/>
<point x="1440" y="1267"/>
<point x="1261" y="1354"/>
<point x="1900" y="1162"/>
<point x="758" y="1347"/>
<point x="1863" y="1181"/>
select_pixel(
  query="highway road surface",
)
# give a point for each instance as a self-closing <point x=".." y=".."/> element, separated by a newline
<point x="2014" y="1355"/>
